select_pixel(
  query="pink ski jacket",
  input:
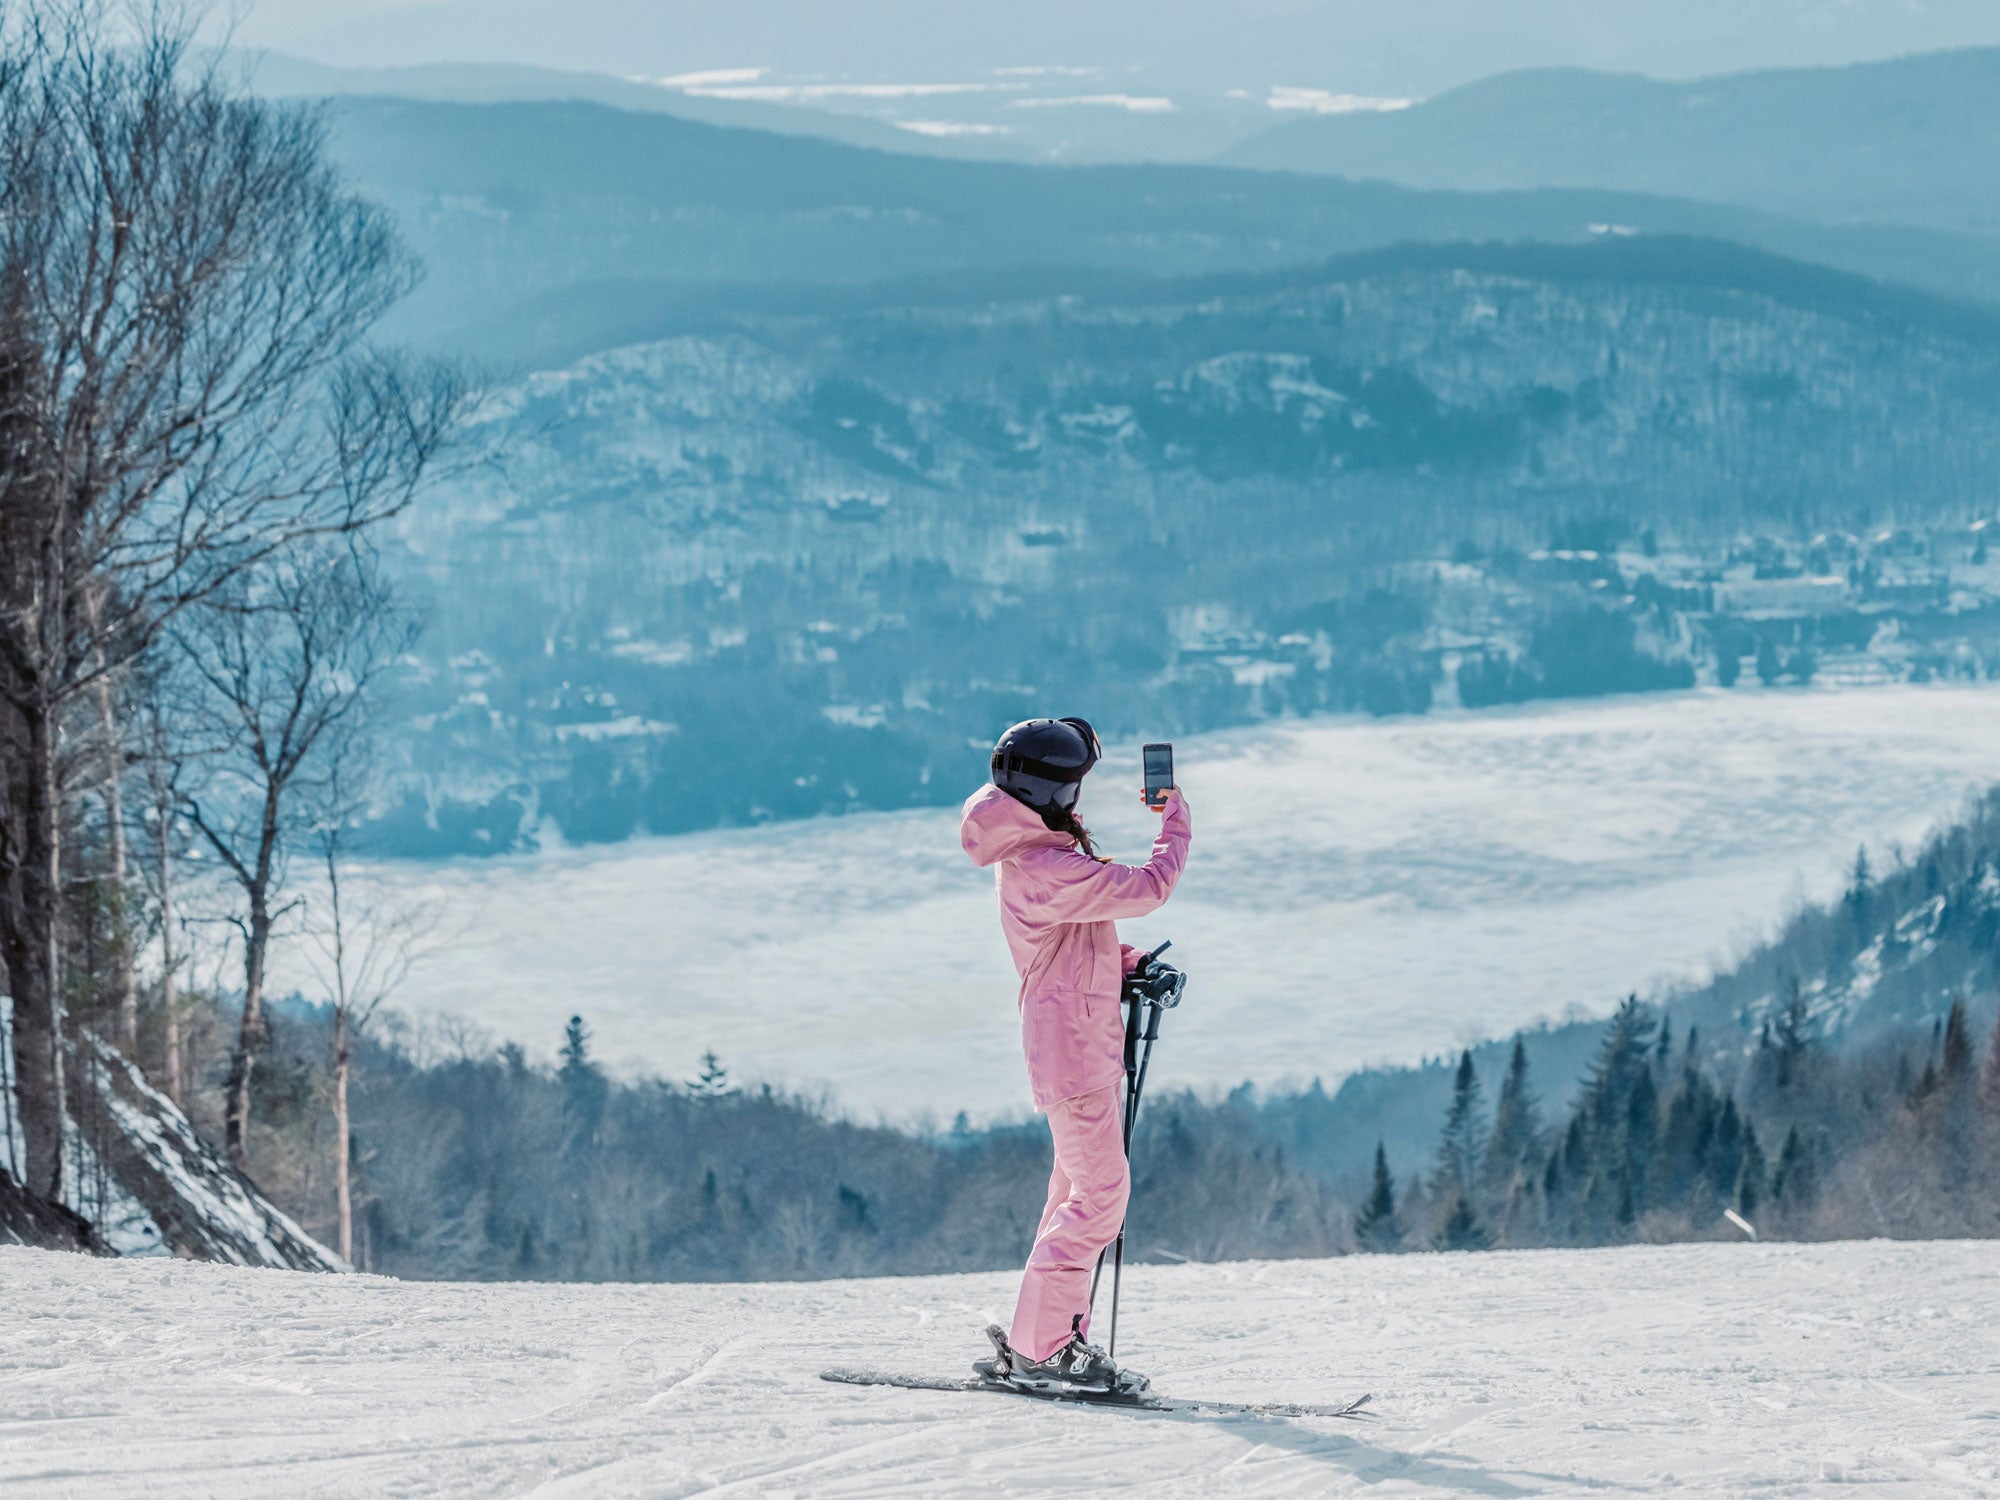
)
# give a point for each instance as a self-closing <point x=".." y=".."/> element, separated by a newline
<point x="1057" y="907"/>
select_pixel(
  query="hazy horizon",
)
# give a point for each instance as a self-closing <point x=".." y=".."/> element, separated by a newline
<point x="1196" y="45"/>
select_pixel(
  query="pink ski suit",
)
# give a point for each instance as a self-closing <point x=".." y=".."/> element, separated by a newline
<point x="1057" y="907"/>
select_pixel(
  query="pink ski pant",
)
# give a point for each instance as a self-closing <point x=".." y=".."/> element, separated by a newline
<point x="1087" y="1193"/>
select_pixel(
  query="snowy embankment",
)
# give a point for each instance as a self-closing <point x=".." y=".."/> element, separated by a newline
<point x="1710" y="1369"/>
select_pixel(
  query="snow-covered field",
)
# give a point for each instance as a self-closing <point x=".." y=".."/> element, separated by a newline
<point x="1359" y="891"/>
<point x="1702" y="1369"/>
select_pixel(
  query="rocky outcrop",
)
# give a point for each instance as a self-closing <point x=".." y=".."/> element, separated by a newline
<point x="201" y="1207"/>
<point x="40" y="1224"/>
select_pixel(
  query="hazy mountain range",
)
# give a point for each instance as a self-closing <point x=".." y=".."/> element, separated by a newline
<point x="1416" y="48"/>
<point x="1914" y="141"/>
<point x="552" y="229"/>
<point x="1777" y="138"/>
<point x="838" y="456"/>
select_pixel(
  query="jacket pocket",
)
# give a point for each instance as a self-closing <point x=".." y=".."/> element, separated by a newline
<point x="1071" y="1038"/>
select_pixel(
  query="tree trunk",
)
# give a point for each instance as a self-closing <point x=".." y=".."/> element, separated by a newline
<point x="249" y="1035"/>
<point x="30" y="887"/>
<point x="170" y="1015"/>
<point x="125" y="980"/>
<point x="160" y="785"/>
<point x="342" y="1190"/>
<point x="169" y="993"/>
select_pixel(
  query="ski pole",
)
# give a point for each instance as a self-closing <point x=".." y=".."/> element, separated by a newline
<point x="1131" y="995"/>
<point x="1132" y="999"/>
<point x="1132" y="1119"/>
<point x="1136" y="994"/>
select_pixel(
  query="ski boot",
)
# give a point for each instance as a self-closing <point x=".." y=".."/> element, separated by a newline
<point x="1078" y="1367"/>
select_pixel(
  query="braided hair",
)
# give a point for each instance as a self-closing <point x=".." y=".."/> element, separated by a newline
<point x="1065" y="820"/>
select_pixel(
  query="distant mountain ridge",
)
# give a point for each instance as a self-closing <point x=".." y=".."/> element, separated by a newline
<point x="278" y="76"/>
<point x="520" y="208"/>
<point x="572" y="323"/>
<point x="1417" y="47"/>
<point x="1915" y="140"/>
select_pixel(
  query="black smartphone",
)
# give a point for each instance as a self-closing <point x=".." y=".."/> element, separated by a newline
<point x="1159" y="760"/>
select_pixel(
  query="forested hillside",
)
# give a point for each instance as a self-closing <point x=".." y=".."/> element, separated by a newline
<point x="1871" y="979"/>
<point x="791" y="564"/>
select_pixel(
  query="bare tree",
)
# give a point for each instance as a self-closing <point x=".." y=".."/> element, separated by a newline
<point x="361" y="950"/>
<point x="163" y="838"/>
<point x="364" y="954"/>
<point x="186" y="390"/>
<point x="276" y="669"/>
<point x="107" y="747"/>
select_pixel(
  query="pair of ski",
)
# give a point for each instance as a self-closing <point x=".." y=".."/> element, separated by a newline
<point x="1120" y="1400"/>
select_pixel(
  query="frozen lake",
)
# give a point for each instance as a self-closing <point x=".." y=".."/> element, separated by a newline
<point x="1359" y="891"/>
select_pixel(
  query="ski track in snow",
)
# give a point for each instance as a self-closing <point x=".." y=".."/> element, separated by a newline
<point x="1705" y="1369"/>
<point x="1359" y="891"/>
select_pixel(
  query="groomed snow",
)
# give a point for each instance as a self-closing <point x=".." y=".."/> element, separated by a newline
<point x="1705" y="1370"/>
<point x="1359" y="891"/>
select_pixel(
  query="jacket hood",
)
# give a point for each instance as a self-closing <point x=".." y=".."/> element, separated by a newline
<point x="994" y="827"/>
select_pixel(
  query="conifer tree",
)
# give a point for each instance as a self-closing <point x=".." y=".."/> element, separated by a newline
<point x="1621" y="1058"/>
<point x="1463" y="1141"/>
<point x="1642" y="1128"/>
<point x="1861" y="894"/>
<point x="1461" y="1149"/>
<point x="1791" y="1037"/>
<point x="1725" y="1151"/>
<point x="1684" y="1139"/>
<point x="1576" y="1148"/>
<point x="1375" y="1227"/>
<point x="1794" y="1184"/>
<point x="583" y="1087"/>
<point x="1750" y="1174"/>
<point x="575" y="1049"/>
<point x="713" y="1083"/>
<point x="1957" y="1051"/>
<point x="1517" y="1126"/>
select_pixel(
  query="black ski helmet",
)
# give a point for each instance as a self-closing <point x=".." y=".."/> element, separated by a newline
<point x="1042" y="762"/>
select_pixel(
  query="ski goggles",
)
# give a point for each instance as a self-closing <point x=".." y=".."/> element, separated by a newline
<point x="1090" y="740"/>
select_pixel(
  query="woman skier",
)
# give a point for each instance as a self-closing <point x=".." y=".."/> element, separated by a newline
<point x="1058" y="901"/>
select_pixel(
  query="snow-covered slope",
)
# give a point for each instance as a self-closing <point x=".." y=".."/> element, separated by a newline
<point x="1703" y="1369"/>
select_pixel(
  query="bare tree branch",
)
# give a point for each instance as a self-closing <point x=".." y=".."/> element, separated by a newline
<point x="187" y="397"/>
